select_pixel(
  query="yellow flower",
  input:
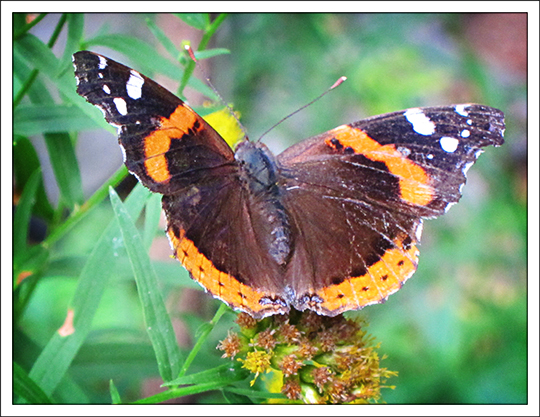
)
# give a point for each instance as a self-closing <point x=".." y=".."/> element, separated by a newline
<point x="313" y="359"/>
<point x="226" y="125"/>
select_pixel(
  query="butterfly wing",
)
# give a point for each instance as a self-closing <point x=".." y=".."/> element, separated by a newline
<point x="166" y="144"/>
<point x="173" y="151"/>
<point x="371" y="182"/>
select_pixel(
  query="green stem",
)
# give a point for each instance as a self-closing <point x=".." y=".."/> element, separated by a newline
<point x="202" y="338"/>
<point x="209" y="32"/>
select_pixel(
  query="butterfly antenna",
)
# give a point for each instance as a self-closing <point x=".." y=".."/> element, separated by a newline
<point x="214" y="89"/>
<point x="337" y="83"/>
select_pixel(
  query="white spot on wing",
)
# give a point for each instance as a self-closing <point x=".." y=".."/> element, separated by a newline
<point x="121" y="105"/>
<point x="465" y="133"/>
<point x="419" y="230"/>
<point x="460" y="109"/>
<point x="106" y="89"/>
<point x="134" y="85"/>
<point x="420" y="122"/>
<point x="448" y="144"/>
<point x="102" y="62"/>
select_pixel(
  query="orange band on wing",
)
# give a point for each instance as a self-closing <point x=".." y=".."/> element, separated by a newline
<point x="159" y="142"/>
<point x="220" y="284"/>
<point x="383" y="278"/>
<point x="413" y="180"/>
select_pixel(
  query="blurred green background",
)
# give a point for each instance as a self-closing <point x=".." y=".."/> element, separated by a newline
<point x="456" y="332"/>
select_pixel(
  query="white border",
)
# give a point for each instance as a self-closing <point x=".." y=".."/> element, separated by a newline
<point x="7" y="8"/>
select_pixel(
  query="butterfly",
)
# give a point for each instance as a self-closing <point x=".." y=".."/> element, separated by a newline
<point x="331" y="224"/>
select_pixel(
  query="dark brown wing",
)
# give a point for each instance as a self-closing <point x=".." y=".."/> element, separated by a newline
<point x="218" y="234"/>
<point x="356" y="196"/>
<point x="173" y="151"/>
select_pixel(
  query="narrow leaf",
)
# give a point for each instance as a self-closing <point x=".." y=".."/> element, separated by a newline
<point x="26" y="388"/>
<point x="169" y="46"/>
<point x="157" y="320"/>
<point x="202" y="334"/>
<point x="181" y="392"/>
<point x="75" y="31"/>
<point x="59" y="145"/>
<point x="227" y="372"/>
<point x="54" y="360"/>
<point x="197" y="20"/>
<point x="25" y="162"/>
<point x="152" y="214"/>
<point x="144" y="54"/>
<point x="66" y="168"/>
<point x="254" y="394"/>
<point x="31" y="120"/>
<point x="115" y="395"/>
<point x="209" y="53"/>
<point x="21" y="219"/>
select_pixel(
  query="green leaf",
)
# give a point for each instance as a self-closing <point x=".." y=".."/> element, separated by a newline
<point x="202" y="334"/>
<point x="59" y="145"/>
<point x="115" y="395"/>
<point x="59" y="352"/>
<point x="38" y="55"/>
<point x="233" y="398"/>
<point x="197" y="20"/>
<point x="228" y="372"/>
<point x="141" y="53"/>
<point x="209" y="53"/>
<point x="22" y="30"/>
<point x="21" y="219"/>
<point x="157" y="320"/>
<point x="38" y="92"/>
<point x="66" y="168"/>
<point x="25" y="162"/>
<point x="169" y="46"/>
<point x="28" y="268"/>
<point x="26" y="388"/>
<point x="31" y="120"/>
<point x="75" y="31"/>
<point x="254" y="394"/>
<point x="190" y="390"/>
<point x="151" y="219"/>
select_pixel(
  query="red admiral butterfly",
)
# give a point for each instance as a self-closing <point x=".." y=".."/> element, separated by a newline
<point x="331" y="224"/>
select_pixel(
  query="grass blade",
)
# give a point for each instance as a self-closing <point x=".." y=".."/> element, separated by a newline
<point x="157" y="320"/>
<point x="21" y="219"/>
<point x="59" y="352"/>
<point x="26" y="389"/>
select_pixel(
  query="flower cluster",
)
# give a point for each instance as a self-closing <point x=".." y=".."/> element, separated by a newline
<point x="312" y="358"/>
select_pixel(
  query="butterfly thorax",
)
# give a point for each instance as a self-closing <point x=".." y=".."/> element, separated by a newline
<point x="259" y="173"/>
<point x="258" y="167"/>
